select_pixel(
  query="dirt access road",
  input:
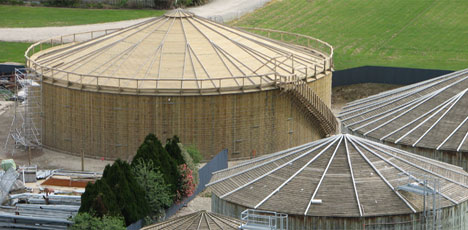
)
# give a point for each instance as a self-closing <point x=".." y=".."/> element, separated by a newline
<point x="218" y="10"/>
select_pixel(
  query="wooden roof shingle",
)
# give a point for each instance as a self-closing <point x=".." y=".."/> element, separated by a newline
<point x="351" y="176"/>
<point x="431" y="114"/>
<point x="201" y="220"/>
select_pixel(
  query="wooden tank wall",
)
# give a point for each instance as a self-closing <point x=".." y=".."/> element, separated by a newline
<point x="452" y="157"/>
<point x="454" y="217"/>
<point x="114" y="125"/>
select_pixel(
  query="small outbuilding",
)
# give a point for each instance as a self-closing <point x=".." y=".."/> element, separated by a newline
<point x="346" y="182"/>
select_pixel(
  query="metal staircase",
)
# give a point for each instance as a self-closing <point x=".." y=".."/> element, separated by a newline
<point x="318" y="111"/>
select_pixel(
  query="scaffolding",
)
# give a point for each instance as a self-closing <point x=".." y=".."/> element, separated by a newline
<point x="26" y="126"/>
<point x="428" y="187"/>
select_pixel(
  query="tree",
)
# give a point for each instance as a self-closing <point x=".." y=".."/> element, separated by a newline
<point x="172" y="147"/>
<point x="152" y="150"/>
<point x="99" y="199"/>
<point x="129" y="194"/>
<point x="117" y="193"/>
<point x="86" y="221"/>
<point x="158" y="194"/>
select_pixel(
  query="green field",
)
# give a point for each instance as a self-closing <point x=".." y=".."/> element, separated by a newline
<point x="13" y="51"/>
<point x="429" y="34"/>
<point x="24" y="16"/>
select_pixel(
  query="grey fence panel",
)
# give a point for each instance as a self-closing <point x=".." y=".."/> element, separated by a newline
<point x="381" y="74"/>
<point x="135" y="226"/>
<point x="219" y="162"/>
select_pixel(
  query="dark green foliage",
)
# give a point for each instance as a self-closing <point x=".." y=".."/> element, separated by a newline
<point x="116" y="194"/>
<point x="99" y="199"/>
<point x="163" y="4"/>
<point x="62" y="3"/>
<point x="152" y="150"/>
<point x="12" y="2"/>
<point x="173" y="149"/>
<point x="86" y="221"/>
<point x="129" y="194"/>
<point x="158" y="194"/>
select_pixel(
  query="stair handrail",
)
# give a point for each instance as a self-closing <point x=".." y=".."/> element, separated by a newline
<point x="323" y="113"/>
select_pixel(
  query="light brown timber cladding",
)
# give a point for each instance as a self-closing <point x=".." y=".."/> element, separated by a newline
<point x="453" y="217"/>
<point x="114" y="125"/>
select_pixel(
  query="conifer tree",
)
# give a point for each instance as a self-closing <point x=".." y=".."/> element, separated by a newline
<point x="152" y="150"/>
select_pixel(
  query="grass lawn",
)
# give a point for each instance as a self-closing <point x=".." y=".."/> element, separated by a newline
<point x="429" y="34"/>
<point x="13" y="51"/>
<point x="24" y="16"/>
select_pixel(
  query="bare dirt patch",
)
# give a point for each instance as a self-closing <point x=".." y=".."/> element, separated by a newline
<point x="345" y="94"/>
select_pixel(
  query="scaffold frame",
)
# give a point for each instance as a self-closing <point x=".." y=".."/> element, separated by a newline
<point x="26" y="125"/>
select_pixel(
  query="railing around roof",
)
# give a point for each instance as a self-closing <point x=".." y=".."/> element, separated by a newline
<point x="324" y="48"/>
<point x="263" y="220"/>
<point x="177" y="86"/>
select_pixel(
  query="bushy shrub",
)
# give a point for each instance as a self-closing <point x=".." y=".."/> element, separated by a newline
<point x="130" y="195"/>
<point x="117" y="193"/>
<point x="152" y="150"/>
<point x="163" y="4"/>
<point x="62" y="3"/>
<point x="187" y="183"/>
<point x="86" y="221"/>
<point x="194" y="153"/>
<point x="173" y="162"/>
<point x="99" y="199"/>
<point x="12" y="2"/>
<point x="158" y="194"/>
<point x="190" y="163"/>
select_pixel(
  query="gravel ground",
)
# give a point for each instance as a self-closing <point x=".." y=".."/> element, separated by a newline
<point x="218" y="10"/>
<point x="227" y="10"/>
<point x="42" y="33"/>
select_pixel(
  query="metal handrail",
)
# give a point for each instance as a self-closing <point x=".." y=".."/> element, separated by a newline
<point x="326" y="53"/>
<point x="263" y="81"/>
<point x="318" y="108"/>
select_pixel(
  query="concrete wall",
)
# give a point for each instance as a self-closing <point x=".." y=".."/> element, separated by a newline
<point x="113" y="125"/>
<point x="453" y="218"/>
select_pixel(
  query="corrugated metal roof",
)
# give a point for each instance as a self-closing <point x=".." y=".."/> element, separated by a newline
<point x="430" y="114"/>
<point x="180" y="51"/>
<point x="201" y="220"/>
<point x="351" y="176"/>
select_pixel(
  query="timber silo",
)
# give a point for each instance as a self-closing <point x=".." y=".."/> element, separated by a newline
<point x="212" y="85"/>
<point x="428" y="118"/>
<point x="346" y="182"/>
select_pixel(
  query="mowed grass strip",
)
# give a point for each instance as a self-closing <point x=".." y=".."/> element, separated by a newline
<point x="429" y="34"/>
<point x="13" y="51"/>
<point x="25" y="16"/>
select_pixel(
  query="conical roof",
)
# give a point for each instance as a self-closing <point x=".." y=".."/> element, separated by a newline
<point x="201" y="220"/>
<point x="431" y="114"/>
<point x="351" y="176"/>
<point x="180" y="51"/>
